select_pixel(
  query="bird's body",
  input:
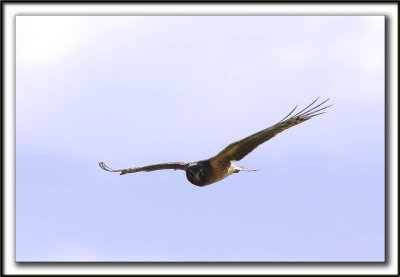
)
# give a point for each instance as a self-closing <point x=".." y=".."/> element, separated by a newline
<point x="214" y="169"/>
<point x="217" y="171"/>
<point x="221" y="171"/>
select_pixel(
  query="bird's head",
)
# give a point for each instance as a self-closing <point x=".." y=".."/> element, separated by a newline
<point x="198" y="173"/>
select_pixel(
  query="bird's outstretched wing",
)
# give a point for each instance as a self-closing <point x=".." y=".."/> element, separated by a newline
<point x="239" y="149"/>
<point x="151" y="167"/>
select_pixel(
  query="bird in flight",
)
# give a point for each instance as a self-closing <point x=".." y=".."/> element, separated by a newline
<point x="205" y="172"/>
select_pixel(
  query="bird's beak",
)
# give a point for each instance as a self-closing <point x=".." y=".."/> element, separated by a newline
<point x="197" y="177"/>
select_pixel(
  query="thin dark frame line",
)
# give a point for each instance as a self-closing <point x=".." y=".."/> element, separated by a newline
<point x="219" y="2"/>
<point x="199" y="2"/>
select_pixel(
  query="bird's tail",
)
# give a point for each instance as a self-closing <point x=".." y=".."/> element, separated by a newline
<point x="238" y="168"/>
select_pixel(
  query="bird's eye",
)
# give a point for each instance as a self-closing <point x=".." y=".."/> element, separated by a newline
<point x="201" y="174"/>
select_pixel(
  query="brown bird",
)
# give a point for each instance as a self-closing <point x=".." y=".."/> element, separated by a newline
<point x="206" y="172"/>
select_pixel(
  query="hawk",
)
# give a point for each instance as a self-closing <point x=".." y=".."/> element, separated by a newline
<point x="205" y="172"/>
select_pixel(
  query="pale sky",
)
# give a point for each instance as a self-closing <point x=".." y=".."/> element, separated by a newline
<point x="132" y="91"/>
